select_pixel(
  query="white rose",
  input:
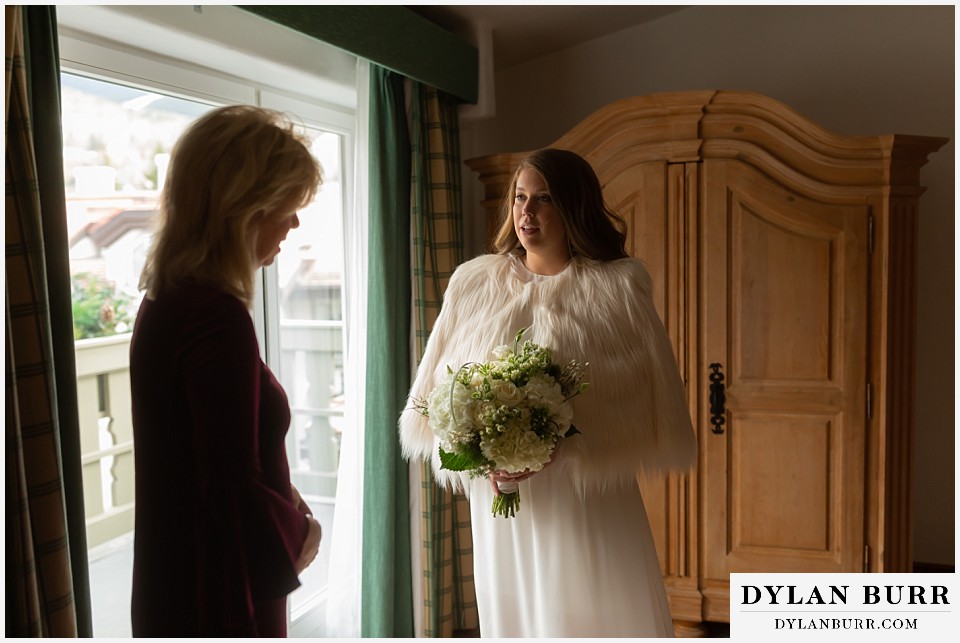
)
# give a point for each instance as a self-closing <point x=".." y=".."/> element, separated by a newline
<point x="476" y="380"/>
<point x="507" y="392"/>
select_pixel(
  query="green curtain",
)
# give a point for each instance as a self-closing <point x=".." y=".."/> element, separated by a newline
<point x="386" y="603"/>
<point x="449" y="600"/>
<point x="47" y="582"/>
<point x="394" y="37"/>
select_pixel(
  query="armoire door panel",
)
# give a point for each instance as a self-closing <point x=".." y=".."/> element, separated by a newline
<point x="784" y="311"/>
<point x="639" y="195"/>
<point x="780" y="297"/>
<point x="778" y="501"/>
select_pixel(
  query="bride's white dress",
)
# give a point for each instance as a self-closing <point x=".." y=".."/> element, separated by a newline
<point x="566" y="566"/>
<point x="574" y="561"/>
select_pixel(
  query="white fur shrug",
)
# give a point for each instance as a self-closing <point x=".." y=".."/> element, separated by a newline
<point x="634" y="415"/>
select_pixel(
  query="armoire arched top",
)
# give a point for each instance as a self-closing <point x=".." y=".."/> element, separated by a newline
<point x="690" y="126"/>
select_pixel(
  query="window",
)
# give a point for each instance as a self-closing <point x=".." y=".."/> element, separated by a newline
<point x="124" y="104"/>
<point x="304" y="289"/>
<point x="116" y="143"/>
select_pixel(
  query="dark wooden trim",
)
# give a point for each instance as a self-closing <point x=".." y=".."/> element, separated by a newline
<point x="467" y="634"/>
<point x="933" y="568"/>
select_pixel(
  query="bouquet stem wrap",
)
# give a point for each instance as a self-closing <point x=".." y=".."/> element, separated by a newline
<point x="507" y="500"/>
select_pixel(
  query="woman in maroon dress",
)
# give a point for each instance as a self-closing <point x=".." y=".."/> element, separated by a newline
<point x="221" y="535"/>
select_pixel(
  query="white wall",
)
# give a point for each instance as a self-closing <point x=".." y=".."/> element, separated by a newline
<point x="859" y="70"/>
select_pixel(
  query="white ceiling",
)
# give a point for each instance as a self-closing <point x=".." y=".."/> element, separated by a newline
<point x="524" y="32"/>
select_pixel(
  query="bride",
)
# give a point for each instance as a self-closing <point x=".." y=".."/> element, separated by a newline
<point x="578" y="559"/>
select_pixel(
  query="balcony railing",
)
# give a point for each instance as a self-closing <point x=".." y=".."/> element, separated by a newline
<point x="106" y="436"/>
<point x="312" y="377"/>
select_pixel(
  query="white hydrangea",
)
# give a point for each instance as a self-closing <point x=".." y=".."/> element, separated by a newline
<point x="503" y="415"/>
<point x="545" y="391"/>
<point x="517" y="449"/>
<point x="451" y="415"/>
<point x="482" y="412"/>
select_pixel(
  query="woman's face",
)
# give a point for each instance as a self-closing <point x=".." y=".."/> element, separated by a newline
<point x="273" y="230"/>
<point x="536" y="220"/>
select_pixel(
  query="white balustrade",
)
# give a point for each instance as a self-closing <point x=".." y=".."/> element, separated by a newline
<point x="106" y="436"/>
<point x="312" y="375"/>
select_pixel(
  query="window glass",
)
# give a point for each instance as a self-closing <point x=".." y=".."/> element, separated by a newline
<point x="117" y="142"/>
<point x="311" y="353"/>
<point x="116" y="145"/>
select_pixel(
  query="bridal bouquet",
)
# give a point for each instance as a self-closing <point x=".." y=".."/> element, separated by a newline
<point x="507" y="414"/>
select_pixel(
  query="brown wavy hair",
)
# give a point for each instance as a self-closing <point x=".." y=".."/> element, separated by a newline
<point x="593" y="230"/>
<point x="230" y="168"/>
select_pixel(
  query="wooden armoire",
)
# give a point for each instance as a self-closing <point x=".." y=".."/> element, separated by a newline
<point x="784" y="263"/>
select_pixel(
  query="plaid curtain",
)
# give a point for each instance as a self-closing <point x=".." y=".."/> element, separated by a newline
<point x="47" y="590"/>
<point x="449" y="602"/>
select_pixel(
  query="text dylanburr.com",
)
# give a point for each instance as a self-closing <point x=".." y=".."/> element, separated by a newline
<point x="844" y="607"/>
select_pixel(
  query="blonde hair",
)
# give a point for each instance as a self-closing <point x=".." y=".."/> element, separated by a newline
<point x="593" y="230"/>
<point x="230" y="168"/>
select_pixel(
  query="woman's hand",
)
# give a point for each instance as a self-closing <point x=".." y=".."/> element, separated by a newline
<point x="298" y="500"/>
<point x="310" y="546"/>
<point x="503" y="476"/>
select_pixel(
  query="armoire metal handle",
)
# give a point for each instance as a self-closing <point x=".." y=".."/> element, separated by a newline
<point x="718" y="399"/>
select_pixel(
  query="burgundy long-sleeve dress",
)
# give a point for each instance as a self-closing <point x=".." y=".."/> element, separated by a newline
<point x="217" y="530"/>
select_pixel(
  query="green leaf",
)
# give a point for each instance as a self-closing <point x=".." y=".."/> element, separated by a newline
<point x="459" y="461"/>
<point x="516" y="340"/>
<point x="571" y="431"/>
